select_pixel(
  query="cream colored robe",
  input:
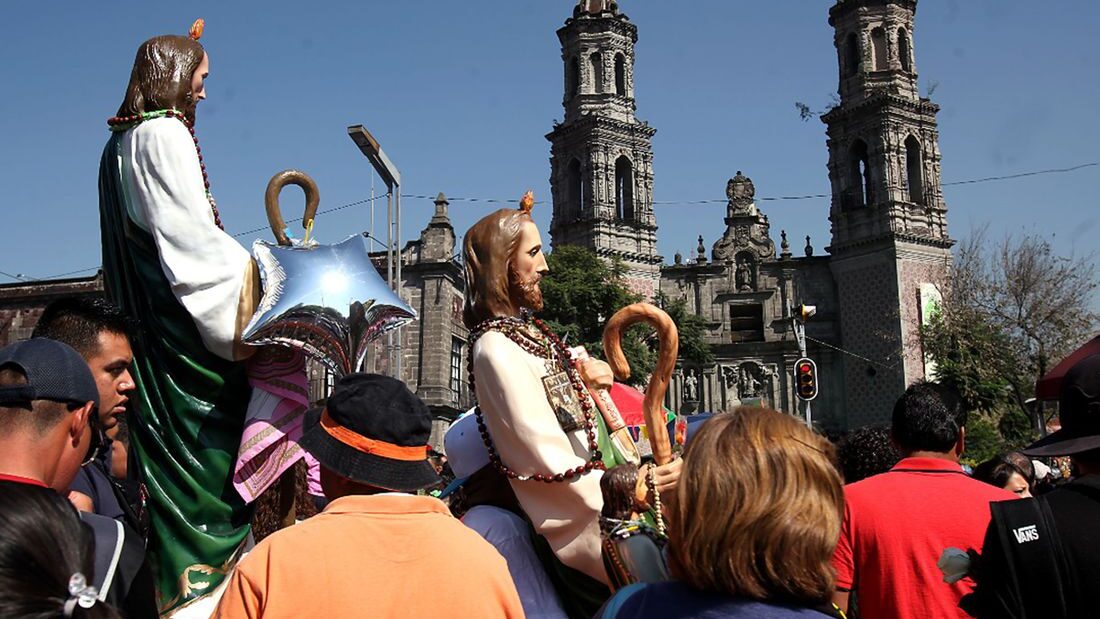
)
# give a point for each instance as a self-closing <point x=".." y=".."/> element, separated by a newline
<point x="527" y="437"/>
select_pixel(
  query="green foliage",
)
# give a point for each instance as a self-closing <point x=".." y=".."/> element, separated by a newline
<point x="983" y="441"/>
<point x="580" y="293"/>
<point x="692" y="328"/>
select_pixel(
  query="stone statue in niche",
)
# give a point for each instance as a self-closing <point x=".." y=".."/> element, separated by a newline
<point x="749" y="383"/>
<point x="691" y="387"/>
<point x="743" y="274"/>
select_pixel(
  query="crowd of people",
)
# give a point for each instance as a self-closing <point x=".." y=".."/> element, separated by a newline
<point x="121" y="423"/>
<point x="760" y="525"/>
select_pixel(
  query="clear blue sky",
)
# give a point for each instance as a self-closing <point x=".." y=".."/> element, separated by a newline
<point x="461" y="94"/>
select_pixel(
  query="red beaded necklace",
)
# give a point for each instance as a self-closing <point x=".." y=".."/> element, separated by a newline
<point x="551" y="348"/>
<point x="122" y="123"/>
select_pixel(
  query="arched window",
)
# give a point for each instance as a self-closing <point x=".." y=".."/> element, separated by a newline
<point x="620" y="74"/>
<point x="573" y="77"/>
<point x="914" y="170"/>
<point x="624" y="189"/>
<point x="851" y="55"/>
<point x="597" y="72"/>
<point x="878" y="49"/>
<point x="574" y="183"/>
<point x="904" y="53"/>
<point x="858" y="193"/>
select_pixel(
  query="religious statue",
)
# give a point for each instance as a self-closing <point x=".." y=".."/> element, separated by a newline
<point x="749" y="385"/>
<point x="691" y="387"/>
<point x="535" y="412"/>
<point x="168" y="263"/>
<point x="743" y="275"/>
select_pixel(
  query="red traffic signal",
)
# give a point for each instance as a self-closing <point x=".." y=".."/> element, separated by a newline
<point x="805" y="379"/>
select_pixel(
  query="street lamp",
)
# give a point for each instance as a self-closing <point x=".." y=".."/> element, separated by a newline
<point x="369" y="146"/>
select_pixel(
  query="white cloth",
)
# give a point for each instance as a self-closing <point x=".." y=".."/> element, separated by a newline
<point x="508" y="533"/>
<point x="204" y="266"/>
<point x="529" y="440"/>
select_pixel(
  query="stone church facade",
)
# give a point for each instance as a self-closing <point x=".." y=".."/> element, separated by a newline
<point x="888" y="255"/>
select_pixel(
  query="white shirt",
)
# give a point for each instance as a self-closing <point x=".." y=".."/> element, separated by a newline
<point x="510" y="535"/>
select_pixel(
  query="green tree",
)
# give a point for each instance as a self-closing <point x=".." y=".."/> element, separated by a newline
<point x="1012" y="310"/>
<point x="580" y="293"/>
<point x="692" y="329"/>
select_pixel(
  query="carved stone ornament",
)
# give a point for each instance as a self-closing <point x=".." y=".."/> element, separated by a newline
<point x="746" y="226"/>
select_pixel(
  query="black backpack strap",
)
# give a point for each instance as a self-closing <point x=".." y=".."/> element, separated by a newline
<point x="1035" y="563"/>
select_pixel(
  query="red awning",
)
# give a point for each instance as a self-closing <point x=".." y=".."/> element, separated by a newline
<point x="1049" y="387"/>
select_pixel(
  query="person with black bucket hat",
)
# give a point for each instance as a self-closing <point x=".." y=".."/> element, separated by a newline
<point x="377" y="549"/>
<point x="1041" y="556"/>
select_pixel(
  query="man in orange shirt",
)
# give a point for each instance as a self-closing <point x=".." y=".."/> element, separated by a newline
<point x="375" y="549"/>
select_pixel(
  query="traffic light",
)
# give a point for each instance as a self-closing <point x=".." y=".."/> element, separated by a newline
<point x="805" y="379"/>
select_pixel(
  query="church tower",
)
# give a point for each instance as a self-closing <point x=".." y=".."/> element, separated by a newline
<point x="601" y="157"/>
<point x="890" y="249"/>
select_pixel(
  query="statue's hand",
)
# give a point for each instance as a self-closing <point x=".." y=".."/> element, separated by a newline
<point x="596" y="374"/>
<point x="665" y="477"/>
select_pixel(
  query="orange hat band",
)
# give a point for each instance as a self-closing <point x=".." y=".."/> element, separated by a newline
<point x="369" y="445"/>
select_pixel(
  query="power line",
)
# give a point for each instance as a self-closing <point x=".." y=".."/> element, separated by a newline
<point x="852" y="354"/>
<point x="816" y="196"/>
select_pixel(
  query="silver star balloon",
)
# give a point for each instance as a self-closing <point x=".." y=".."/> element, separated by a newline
<point x="326" y="300"/>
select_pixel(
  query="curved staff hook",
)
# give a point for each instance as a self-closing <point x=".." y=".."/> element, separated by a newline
<point x="668" y="343"/>
<point x="271" y="201"/>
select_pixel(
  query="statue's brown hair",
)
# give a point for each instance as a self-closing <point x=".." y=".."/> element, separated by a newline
<point x="161" y="77"/>
<point x="487" y="251"/>
<point x="758" y="509"/>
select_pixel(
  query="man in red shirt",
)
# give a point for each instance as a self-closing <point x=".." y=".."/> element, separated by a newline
<point x="897" y="524"/>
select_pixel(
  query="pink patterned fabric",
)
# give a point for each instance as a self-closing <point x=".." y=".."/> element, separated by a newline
<point x="273" y="426"/>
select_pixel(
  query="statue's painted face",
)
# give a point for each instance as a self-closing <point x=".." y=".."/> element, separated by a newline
<point x="527" y="268"/>
<point x="198" y="86"/>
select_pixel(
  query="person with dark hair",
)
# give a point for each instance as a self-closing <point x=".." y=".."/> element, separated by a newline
<point x="1041" y="556"/>
<point x="865" y="452"/>
<point x="897" y="524"/>
<point x="47" y="407"/>
<point x="100" y="332"/>
<point x="1012" y="471"/>
<point x="752" y="527"/>
<point x="377" y="547"/>
<point x="46" y="557"/>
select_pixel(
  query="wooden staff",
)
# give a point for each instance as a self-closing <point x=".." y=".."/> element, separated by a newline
<point x="271" y="201"/>
<point x="668" y="343"/>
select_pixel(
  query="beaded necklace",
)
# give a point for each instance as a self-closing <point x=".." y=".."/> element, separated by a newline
<point x="540" y="342"/>
<point x="122" y="123"/>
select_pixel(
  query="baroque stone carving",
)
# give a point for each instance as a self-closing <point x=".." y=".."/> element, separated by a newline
<point x="746" y="226"/>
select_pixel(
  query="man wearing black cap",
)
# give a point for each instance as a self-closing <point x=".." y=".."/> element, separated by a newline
<point x="48" y="402"/>
<point x="376" y="549"/>
<point x="1041" y="556"/>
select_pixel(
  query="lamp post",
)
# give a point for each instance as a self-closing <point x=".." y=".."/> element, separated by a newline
<point x="369" y="146"/>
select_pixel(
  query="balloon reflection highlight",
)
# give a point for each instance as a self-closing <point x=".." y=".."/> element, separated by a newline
<point x="326" y="300"/>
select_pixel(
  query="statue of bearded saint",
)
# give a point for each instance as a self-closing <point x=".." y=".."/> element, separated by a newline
<point x="168" y="263"/>
<point x="535" y="411"/>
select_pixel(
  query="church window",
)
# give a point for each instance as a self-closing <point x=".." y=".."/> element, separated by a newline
<point x="620" y="74"/>
<point x="858" y="193"/>
<point x="456" y="367"/>
<point x="851" y="55"/>
<point x="624" y="189"/>
<point x="597" y="72"/>
<point x="574" y="77"/>
<point x="914" y="170"/>
<point x="904" y="53"/>
<point x="746" y="323"/>
<point x="574" y="183"/>
<point x="878" y="48"/>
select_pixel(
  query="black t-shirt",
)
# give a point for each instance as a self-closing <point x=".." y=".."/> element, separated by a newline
<point x="120" y="567"/>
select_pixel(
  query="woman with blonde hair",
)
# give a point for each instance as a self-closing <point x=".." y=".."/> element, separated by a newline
<point x="753" y="525"/>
